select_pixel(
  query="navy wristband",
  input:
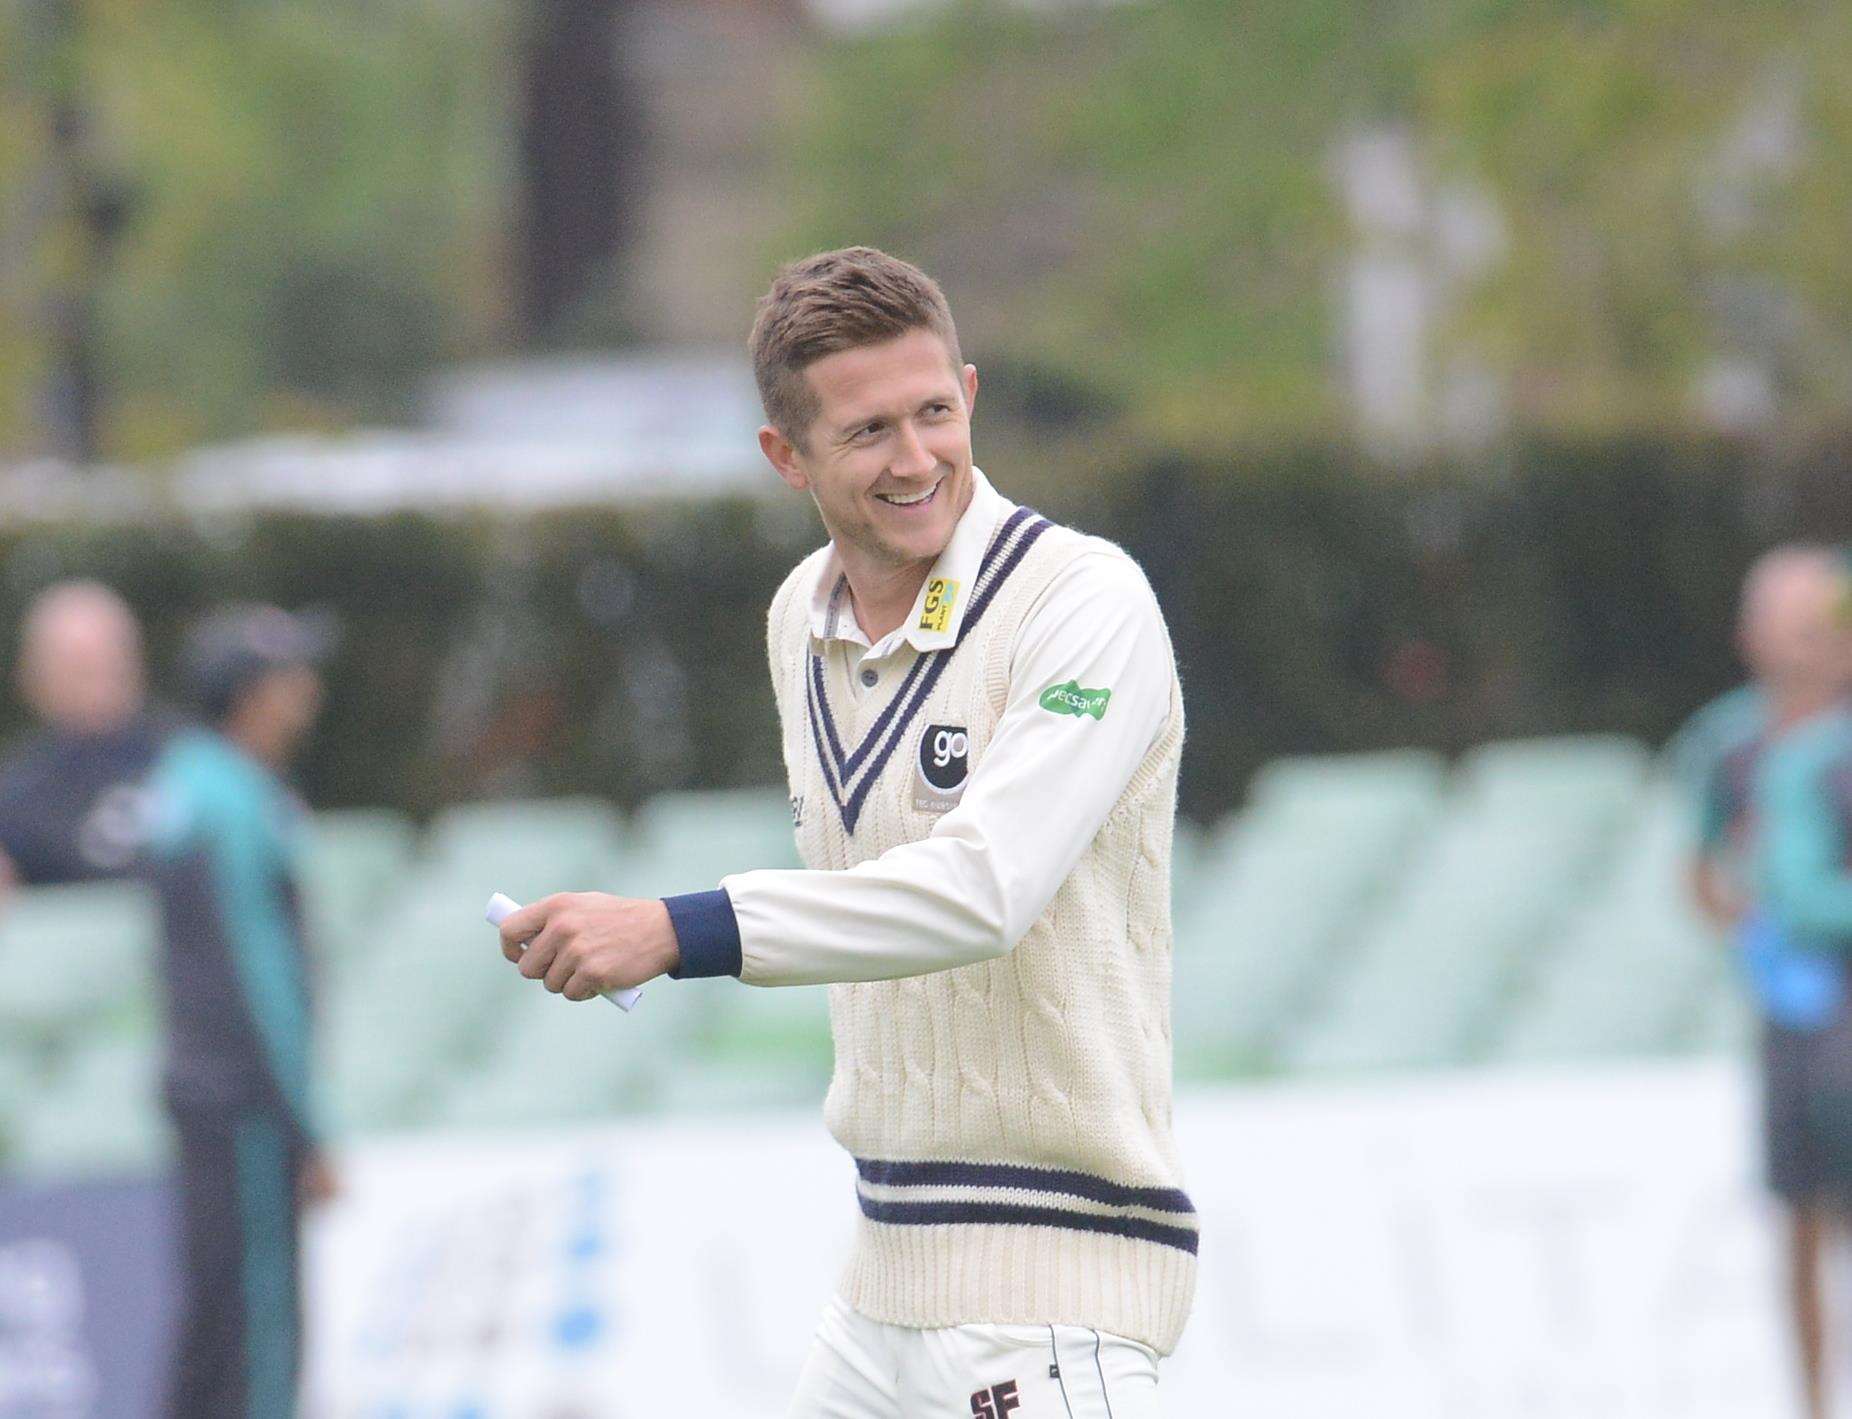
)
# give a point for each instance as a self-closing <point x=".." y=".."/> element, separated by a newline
<point x="708" y="932"/>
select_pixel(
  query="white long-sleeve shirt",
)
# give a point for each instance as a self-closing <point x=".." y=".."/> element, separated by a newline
<point x="990" y="866"/>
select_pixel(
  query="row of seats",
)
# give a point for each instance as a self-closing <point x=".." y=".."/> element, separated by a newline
<point x="1361" y="912"/>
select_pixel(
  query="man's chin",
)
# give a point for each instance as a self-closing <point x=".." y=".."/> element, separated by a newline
<point x="924" y="545"/>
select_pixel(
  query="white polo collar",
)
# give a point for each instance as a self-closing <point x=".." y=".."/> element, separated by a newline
<point x="939" y="609"/>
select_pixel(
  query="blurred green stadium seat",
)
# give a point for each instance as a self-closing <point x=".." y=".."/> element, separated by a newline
<point x="1189" y="851"/>
<point x="1636" y="963"/>
<point x="77" y="955"/>
<point x="428" y="1023"/>
<point x="1392" y="784"/>
<point x="688" y="841"/>
<point x="1586" y="777"/>
<point x="20" y="1079"/>
<point x="403" y="1010"/>
<point x="1275" y="890"/>
<point x="1526" y="834"/>
<point x="353" y="859"/>
<point x="527" y="848"/>
<point x="756" y="1047"/>
<point x="544" y="1059"/>
<point x="97" y="1113"/>
<point x="1724" y="1021"/>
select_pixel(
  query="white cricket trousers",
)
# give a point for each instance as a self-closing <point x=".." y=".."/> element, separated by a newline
<point x="861" y="1369"/>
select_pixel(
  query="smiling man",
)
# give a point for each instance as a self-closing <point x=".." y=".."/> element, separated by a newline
<point x="982" y="725"/>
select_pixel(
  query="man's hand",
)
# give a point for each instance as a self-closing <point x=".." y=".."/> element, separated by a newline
<point x="319" y="1183"/>
<point x="583" y="944"/>
<point x="1720" y="901"/>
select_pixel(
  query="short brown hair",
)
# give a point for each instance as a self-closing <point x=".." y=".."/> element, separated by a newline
<point x="836" y="300"/>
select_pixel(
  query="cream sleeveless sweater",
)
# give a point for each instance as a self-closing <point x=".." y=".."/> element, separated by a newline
<point x="1010" y="1120"/>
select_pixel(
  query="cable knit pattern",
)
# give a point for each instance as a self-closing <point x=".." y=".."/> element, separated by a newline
<point x="1011" y="1119"/>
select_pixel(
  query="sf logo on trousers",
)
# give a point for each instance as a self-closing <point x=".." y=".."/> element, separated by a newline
<point x="996" y="1402"/>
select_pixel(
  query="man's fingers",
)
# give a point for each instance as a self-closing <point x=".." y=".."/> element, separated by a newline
<point x="520" y="927"/>
<point x="564" y="966"/>
<point x="580" y="987"/>
<point x="539" y="954"/>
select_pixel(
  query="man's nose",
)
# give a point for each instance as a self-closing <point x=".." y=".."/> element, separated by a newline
<point x="912" y="458"/>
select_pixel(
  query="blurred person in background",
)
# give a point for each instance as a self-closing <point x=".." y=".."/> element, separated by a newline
<point x="1775" y="822"/>
<point x="222" y="853"/>
<point x="72" y="798"/>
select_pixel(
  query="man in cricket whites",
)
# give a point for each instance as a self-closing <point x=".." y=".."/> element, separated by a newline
<point x="982" y="724"/>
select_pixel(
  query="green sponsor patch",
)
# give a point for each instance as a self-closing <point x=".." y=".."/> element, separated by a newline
<point x="1071" y="699"/>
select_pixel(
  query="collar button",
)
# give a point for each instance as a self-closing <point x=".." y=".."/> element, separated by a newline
<point x="870" y="676"/>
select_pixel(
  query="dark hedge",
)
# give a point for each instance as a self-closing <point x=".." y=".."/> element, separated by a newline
<point x="1316" y="604"/>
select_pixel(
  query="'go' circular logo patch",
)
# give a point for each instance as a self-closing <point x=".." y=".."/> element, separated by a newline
<point x="945" y="759"/>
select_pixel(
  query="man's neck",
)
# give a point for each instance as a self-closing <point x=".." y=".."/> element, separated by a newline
<point x="1798" y="706"/>
<point x="256" y="747"/>
<point x="882" y="594"/>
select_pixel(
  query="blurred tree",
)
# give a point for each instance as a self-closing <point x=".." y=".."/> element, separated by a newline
<point x="320" y="192"/>
<point x="581" y="150"/>
<point x="1135" y="206"/>
<point x="1145" y="197"/>
<point x="73" y="212"/>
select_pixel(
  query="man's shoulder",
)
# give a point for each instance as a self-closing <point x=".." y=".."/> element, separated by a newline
<point x="1724" y="732"/>
<point x="799" y="583"/>
<point x="202" y="773"/>
<point x="25" y="764"/>
<point x="1809" y="757"/>
<point x="1095" y="569"/>
<point x="1823" y="745"/>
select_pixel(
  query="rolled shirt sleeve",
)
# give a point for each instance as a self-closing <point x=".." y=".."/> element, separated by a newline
<point x="1046" y="782"/>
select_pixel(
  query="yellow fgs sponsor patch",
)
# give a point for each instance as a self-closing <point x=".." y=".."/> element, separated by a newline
<point x="936" y="614"/>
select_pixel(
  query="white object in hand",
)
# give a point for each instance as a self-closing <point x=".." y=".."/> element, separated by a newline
<point x="501" y="907"/>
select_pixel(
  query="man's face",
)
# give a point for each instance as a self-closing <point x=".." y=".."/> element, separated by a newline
<point x="888" y="456"/>
<point x="275" y="713"/>
<point x="1791" y="634"/>
<point x="83" y="671"/>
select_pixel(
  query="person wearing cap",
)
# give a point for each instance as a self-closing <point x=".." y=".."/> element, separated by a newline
<point x="222" y="847"/>
<point x="71" y="797"/>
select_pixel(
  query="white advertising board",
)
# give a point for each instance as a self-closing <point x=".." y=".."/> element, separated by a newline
<point x="1582" y="1245"/>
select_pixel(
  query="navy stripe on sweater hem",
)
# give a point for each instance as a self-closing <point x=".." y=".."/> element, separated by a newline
<point x="1006" y="1214"/>
<point x="941" y="1173"/>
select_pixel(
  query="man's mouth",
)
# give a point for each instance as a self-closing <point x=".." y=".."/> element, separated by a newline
<point x="919" y="499"/>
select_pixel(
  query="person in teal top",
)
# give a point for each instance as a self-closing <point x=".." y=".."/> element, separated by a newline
<point x="1804" y="861"/>
<point x="1769" y="871"/>
<point x="222" y="855"/>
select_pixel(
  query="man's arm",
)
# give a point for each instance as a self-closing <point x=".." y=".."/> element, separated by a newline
<point x="263" y="947"/>
<point x="972" y="888"/>
<point x="968" y="891"/>
<point x="1710" y="878"/>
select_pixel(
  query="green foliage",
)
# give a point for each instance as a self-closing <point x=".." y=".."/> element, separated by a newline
<point x="1146" y="199"/>
<point x="1135" y="204"/>
<point x="315" y="190"/>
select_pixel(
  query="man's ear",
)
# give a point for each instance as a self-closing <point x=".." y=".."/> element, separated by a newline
<point x="782" y="455"/>
<point x="968" y="377"/>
